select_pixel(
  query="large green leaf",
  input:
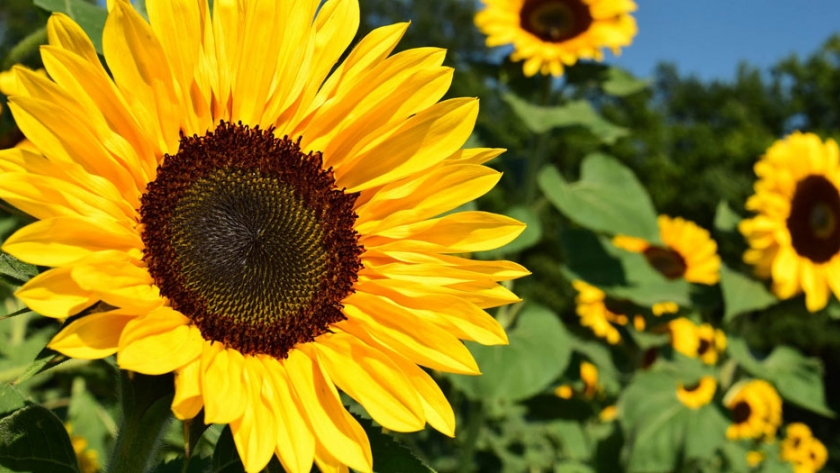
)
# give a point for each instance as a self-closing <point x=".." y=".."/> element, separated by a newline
<point x="797" y="378"/>
<point x="15" y="270"/>
<point x="742" y="294"/>
<point x="89" y="16"/>
<point x="621" y="83"/>
<point x="538" y="353"/>
<point x="577" y="113"/>
<point x="32" y="439"/>
<point x="608" y="198"/>
<point x="10" y="399"/>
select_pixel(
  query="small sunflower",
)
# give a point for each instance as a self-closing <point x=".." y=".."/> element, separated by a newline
<point x="754" y="458"/>
<point x="697" y="341"/>
<point x="88" y="459"/>
<point x="662" y="308"/>
<point x="589" y="376"/>
<point x="608" y="414"/>
<point x="795" y="236"/>
<point x="247" y="212"/>
<point x="712" y="342"/>
<point x="805" y="452"/>
<point x="551" y="34"/>
<point x="756" y="410"/>
<point x="594" y="313"/>
<point x="689" y="252"/>
<point x="698" y="394"/>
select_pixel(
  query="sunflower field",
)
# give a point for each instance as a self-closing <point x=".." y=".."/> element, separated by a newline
<point x="408" y="236"/>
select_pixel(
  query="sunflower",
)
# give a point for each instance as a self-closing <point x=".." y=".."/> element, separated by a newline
<point x="689" y="252"/>
<point x="795" y="236"/>
<point x="260" y="220"/>
<point x="548" y="34"/>
<point x="711" y="342"/>
<point x="756" y="410"/>
<point x="805" y="452"/>
<point x="87" y="458"/>
<point x="698" y="394"/>
<point x="594" y="313"/>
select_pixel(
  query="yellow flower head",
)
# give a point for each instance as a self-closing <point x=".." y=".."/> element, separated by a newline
<point x="593" y="312"/>
<point x="795" y="236"/>
<point x="564" y="391"/>
<point x="261" y="218"/>
<point x="689" y="251"/>
<point x="684" y="337"/>
<point x="712" y="342"/>
<point x="88" y="459"/>
<point x="754" y="458"/>
<point x="805" y="452"/>
<point x="661" y="308"/>
<point x="589" y="376"/>
<point x="756" y="410"/>
<point x="699" y="394"/>
<point x="608" y="414"/>
<point x="548" y="34"/>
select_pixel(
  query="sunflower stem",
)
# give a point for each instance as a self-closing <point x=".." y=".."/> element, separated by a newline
<point x="24" y="48"/>
<point x="145" y="402"/>
<point x="474" y="423"/>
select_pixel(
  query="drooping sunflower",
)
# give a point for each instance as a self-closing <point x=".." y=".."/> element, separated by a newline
<point x="236" y="207"/>
<point x="698" y="394"/>
<point x="689" y="252"/>
<point x="756" y="410"/>
<point x="795" y="236"/>
<point x="594" y="313"/>
<point x="551" y="34"/>
<point x="806" y="453"/>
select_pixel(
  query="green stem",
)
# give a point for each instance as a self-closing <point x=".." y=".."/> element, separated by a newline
<point x="146" y="410"/>
<point x="474" y="424"/>
<point x="25" y="47"/>
<point x="539" y="148"/>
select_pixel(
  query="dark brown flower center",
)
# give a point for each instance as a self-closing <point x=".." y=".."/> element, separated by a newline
<point x="555" y="20"/>
<point x="741" y="412"/>
<point x="667" y="261"/>
<point x="692" y="387"/>
<point x="250" y="238"/>
<point x="704" y="346"/>
<point x="814" y="220"/>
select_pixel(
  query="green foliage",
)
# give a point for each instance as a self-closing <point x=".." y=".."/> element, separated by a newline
<point x="578" y="113"/>
<point x="538" y="352"/>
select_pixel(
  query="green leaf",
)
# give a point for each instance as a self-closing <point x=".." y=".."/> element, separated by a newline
<point x="706" y="432"/>
<point x="33" y="439"/>
<point x="570" y="467"/>
<point x="538" y="353"/>
<point x="46" y="359"/>
<point x="16" y="270"/>
<point x="89" y="419"/>
<point x="528" y="238"/>
<point x="10" y="399"/>
<point x="576" y="113"/>
<point x="726" y="220"/>
<point x="621" y="83"/>
<point x="797" y="378"/>
<point x="89" y="16"/>
<point x="389" y="455"/>
<point x="742" y="294"/>
<point x="608" y="198"/>
<point x="654" y="422"/>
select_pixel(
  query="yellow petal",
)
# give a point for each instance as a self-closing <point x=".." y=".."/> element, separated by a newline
<point x="255" y="433"/>
<point x="158" y="343"/>
<point x="373" y="380"/>
<point x="54" y="293"/>
<point x="66" y="34"/>
<point x="187" y="401"/>
<point x="222" y="383"/>
<point x="62" y="241"/>
<point x="295" y="439"/>
<point x="93" y="336"/>
<point x="420" y="143"/>
<point x="335" y="428"/>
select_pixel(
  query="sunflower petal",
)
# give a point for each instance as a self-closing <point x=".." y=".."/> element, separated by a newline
<point x="93" y="336"/>
<point x="54" y="293"/>
<point x="158" y="343"/>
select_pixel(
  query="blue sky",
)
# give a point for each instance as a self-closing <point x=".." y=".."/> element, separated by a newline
<point x="708" y="38"/>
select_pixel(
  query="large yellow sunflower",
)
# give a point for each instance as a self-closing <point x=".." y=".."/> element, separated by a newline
<point x="261" y="221"/>
<point x="756" y="410"/>
<point x="548" y="34"/>
<point x="795" y="236"/>
<point x="689" y="251"/>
